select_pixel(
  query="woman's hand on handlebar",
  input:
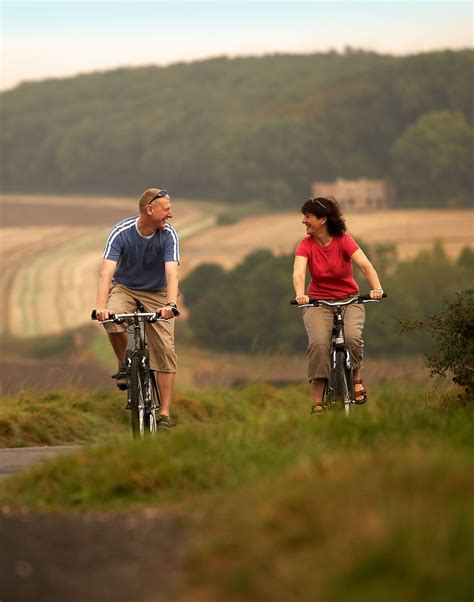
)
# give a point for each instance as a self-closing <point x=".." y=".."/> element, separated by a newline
<point x="102" y="314"/>
<point x="302" y="299"/>
<point x="376" y="293"/>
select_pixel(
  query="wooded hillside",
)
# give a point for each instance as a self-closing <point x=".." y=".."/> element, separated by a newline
<point x="248" y="128"/>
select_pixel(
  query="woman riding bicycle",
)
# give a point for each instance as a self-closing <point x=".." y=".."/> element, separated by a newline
<point x="329" y="253"/>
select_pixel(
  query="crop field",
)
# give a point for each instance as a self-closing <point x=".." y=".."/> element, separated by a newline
<point x="51" y="248"/>
<point x="50" y="254"/>
<point x="412" y="231"/>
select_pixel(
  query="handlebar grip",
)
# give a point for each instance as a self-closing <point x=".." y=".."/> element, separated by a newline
<point x="311" y="300"/>
<point x="111" y="317"/>
<point x="367" y="297"/>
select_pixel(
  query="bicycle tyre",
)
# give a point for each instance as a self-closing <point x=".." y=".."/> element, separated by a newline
<point x="155" y="403"/>
<point x="137" y="398"/>
<point x="342" y="383"/>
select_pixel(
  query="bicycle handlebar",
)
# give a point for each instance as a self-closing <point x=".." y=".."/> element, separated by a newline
<point x="120" y="318"/>
<point x="357" y="299"/>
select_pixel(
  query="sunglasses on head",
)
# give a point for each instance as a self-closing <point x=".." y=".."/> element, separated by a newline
<point x="319" y="202"/>
<point x="160" y="195"/>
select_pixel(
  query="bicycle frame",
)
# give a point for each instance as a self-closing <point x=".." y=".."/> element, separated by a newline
<point x="142" y="390"/>
<point x="338" y="345"/>
<point x="340" y="382"/>
<point x="146" y="406"/>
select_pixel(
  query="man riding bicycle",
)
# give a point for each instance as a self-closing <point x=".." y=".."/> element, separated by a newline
<point x="140" y="267"/>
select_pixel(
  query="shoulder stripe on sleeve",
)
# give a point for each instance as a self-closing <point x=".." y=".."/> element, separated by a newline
<point x="174" y="236"/>
<point x="120" y="227"/>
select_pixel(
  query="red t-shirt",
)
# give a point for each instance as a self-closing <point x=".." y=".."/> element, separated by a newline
<point x="330" y="267"/>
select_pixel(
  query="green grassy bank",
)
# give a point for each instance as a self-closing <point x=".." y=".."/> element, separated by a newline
<point x="61" y="417"/>
<point x="287" y="507"/>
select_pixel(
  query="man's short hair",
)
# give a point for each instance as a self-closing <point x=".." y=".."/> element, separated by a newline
<point x="146" y="198"/>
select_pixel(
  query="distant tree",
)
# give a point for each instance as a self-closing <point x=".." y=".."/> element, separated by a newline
<point x="247" y="308"/>
<point x="203" y="281"/>
<point x="433" y="160"/>
<point x="247" y="129"/>
<point x="466" y="258"/>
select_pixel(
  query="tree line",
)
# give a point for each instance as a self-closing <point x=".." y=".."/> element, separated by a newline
<point x="243" y="129"/>
<point x="247" y="309"/>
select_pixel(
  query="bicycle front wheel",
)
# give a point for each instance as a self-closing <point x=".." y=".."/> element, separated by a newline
<point x="342" y="382"/>
<point x="142" y="404"/>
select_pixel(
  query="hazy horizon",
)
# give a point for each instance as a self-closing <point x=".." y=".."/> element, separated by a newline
<point x="71" y="38"/>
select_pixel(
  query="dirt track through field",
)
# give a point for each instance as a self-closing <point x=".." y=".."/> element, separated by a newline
<point x="124" y="557"/>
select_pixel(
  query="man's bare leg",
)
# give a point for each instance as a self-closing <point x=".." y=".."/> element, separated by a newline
<point x="119" y="342"/>
<point x="166" y="386"/>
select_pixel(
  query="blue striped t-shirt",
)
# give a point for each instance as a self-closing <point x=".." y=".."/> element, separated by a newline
<point x="141" y="259"/>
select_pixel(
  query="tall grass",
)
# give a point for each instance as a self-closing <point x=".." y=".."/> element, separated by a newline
<point x="284" y="507"/>
<point x="228" y="438"/>
<point x="61" y="417"/>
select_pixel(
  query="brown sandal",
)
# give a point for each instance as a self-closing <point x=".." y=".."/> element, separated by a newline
<point x="317" y="410"/>
<point x="358" y="394"/>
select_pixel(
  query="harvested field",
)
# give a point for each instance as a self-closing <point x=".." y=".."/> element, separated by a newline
<point x="31" y="375"/>
<point x="49" y="266"/>
<point x="206" y="369"/>
<point x="412" y="231"/>
<point x="83" y="211"/>
<point x="197" y="368"/>
<point x="48" y="278"/>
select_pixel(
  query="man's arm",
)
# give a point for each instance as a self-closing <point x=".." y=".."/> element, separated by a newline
<point x="172" y="280"/>
<point x="107" y="270"/>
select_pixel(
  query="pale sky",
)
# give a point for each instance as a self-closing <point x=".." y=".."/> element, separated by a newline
<point x="61" y="38"/>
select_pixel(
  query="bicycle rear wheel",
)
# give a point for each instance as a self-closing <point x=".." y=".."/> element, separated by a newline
<point x="142" y="406"/>
<point x="342" y="389"/>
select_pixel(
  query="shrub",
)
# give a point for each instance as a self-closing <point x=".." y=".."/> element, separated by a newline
<point x="452" y="330"/>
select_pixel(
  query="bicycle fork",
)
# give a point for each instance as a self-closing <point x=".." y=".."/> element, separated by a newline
<point x="338" y="347"/>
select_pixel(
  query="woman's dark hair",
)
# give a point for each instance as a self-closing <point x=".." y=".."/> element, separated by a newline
<point x="327" y="207"/>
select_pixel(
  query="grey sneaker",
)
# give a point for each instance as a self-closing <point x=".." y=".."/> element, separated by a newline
<point x="164" y="422"/>
<point x="121" y="373"/>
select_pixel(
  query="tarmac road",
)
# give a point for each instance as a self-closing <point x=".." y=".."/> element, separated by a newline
<point x="14" y="459"/>
<point x="137" y="555"/>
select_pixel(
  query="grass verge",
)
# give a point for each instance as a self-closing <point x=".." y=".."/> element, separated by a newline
<point x="242" y="435"/>
<point x="284" y="507"/>
<point x="61" y="417"/>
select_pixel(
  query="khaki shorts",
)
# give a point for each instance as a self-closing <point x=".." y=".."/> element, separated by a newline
<point x="160" y="335"/>
<point x="318" y="322"/>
